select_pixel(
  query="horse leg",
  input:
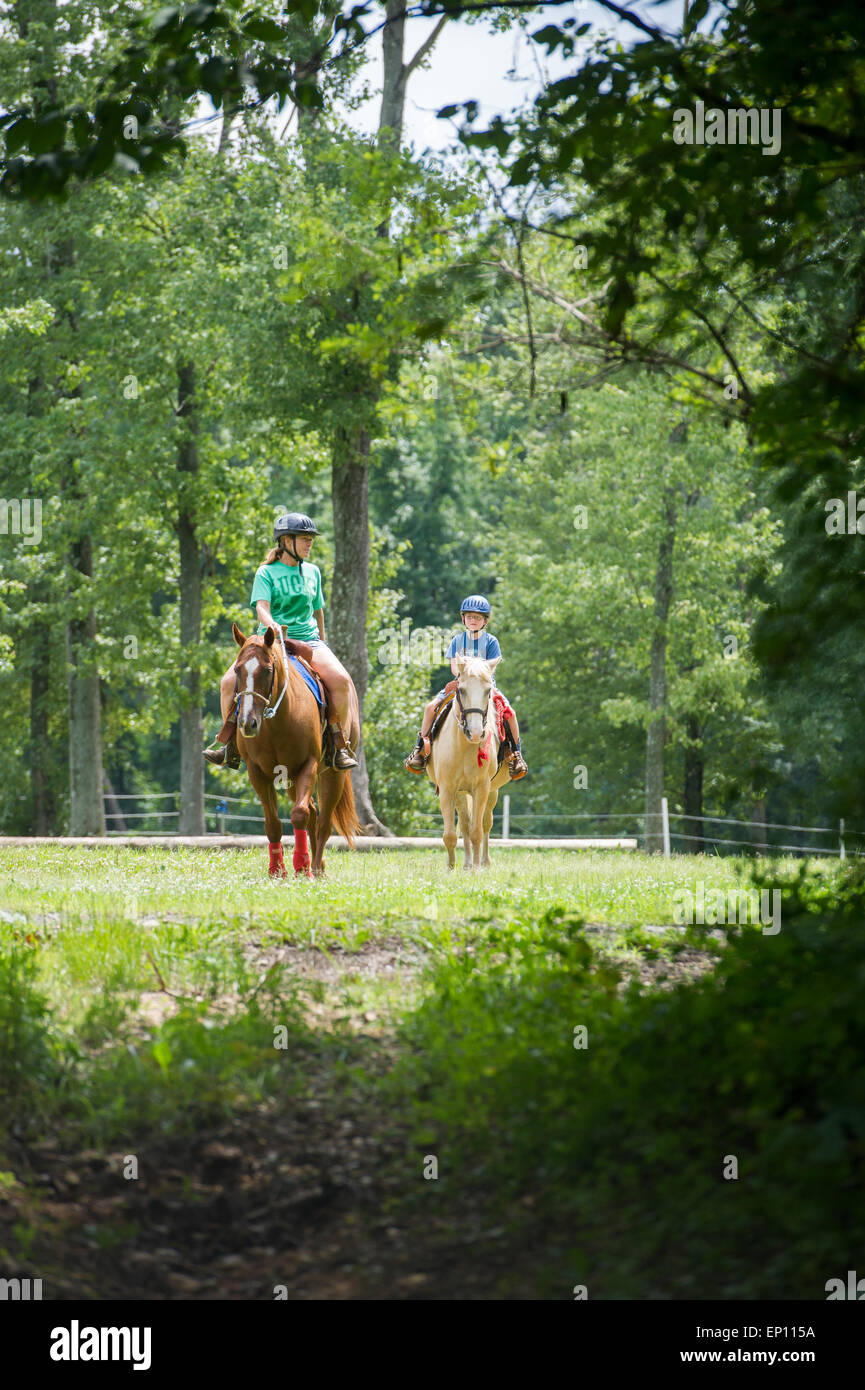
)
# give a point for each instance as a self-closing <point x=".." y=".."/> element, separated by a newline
<point x="446" y="801"/>
<point x="312" y="831"/>
<point x="330" y="783"/>
<point x="488" y="821"/>
<point x="266" y="792"/>
<point x="463" y="814"/>
<point x="304" y="782"/>
<point x="479" y="806"/>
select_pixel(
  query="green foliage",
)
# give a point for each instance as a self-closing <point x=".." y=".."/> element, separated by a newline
<point x="603" y="1163"/>
<point x="619" y="1148"/>
<point x="166" y="59"/>
<point x="327" y="291"/>
<point x="30" y="1051"/>
<point x="699" y="249"/>
<point x="194" y="1070"/>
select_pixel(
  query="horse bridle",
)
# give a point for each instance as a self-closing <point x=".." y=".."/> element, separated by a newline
<point x="239" y="694"/>
<point x="461" y="717"/>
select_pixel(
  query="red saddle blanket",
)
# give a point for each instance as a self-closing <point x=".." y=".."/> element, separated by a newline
<point x="503" y="712"/>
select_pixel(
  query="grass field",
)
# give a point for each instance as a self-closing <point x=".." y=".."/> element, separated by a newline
<point x="124" y="921"/>
<point x="278" y="1063"/>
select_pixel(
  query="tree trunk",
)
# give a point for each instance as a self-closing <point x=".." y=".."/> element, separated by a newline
<point x="350" y="475"/>
<point x="758" y="826"/>
<point x="693" y="790"/>
<point x="656" y="734"/>
<point x="191" y="724"/>
<point x="394" y="76"/>
<point x="44" y="802"/>
<point x="350" y="468"/>
<point x="86" y="809"/>
<point x="347" y="621"/>
<point x="117" y="819"/>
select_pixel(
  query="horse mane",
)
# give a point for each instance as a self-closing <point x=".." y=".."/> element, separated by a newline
<point x="476" y="666"/>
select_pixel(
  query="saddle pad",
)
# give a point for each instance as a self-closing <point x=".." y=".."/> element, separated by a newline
<point x="440" y="717"/>
<point x="503" y="712"/>
<point x="310" y="680"/>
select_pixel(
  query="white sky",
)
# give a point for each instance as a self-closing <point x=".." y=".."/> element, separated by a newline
<point x="501" y="71"/>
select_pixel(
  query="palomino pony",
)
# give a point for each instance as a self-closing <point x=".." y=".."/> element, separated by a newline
<point x="463" y="763"/>
<point x="288" y="744"/>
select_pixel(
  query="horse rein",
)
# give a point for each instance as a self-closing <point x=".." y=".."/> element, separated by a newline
<point x="269" y="713"/>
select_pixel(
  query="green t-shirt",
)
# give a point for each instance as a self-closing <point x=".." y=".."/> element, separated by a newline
<point x="292" y="600"/>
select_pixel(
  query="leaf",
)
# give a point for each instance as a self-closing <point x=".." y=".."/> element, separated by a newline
<point x="162" y="1055"/>
<point x="164" y="18"/>
<point x="551" y="35"/>
<point x="698" y="11"/>
<point x="621" y="300"/>
<point x="18" y="135"/>
<point x="267" y="30"/>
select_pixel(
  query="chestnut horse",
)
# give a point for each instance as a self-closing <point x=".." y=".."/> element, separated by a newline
<point x="287" y="745"/>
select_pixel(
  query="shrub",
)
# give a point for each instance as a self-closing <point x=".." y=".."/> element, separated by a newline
<point x="620" y="1148"/>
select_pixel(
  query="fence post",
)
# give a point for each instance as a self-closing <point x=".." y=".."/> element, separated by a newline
<point x="506" y="817"/>
<point x="665" y="826"/>
<point x="221" y="808"/>
<point x="841" y="838"/>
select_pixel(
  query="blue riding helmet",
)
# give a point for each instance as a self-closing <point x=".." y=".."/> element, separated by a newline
<point x="475" y="603"/>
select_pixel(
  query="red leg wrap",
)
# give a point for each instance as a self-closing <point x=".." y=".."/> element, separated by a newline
<point x="300" y="859"/>
<point x="277" y="863"/>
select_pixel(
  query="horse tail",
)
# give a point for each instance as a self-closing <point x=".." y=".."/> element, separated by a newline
<point x="344" y="814"/>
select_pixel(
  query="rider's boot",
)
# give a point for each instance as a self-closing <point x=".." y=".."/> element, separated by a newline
<point x="224" y="754"/>
<point x="343" y="758"/>
<point x="417" y="760"/>
<point x="517" y="763"/>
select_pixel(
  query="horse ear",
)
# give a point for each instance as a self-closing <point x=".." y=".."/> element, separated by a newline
<point x="238" y="635"/>
<point x="461" y="661"/>
<point x="269" y="637"/>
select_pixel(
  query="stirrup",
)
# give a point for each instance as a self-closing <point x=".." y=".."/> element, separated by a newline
<point x="517" y="760"/>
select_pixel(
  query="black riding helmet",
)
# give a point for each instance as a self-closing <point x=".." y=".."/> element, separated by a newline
<point x="294" y="524"/>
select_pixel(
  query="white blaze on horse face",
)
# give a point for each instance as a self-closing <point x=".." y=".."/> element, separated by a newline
<point x="247" y="704"/>
<point x="475" y="694"/>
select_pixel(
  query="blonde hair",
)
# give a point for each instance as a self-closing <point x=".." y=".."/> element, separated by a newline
<point x="272" y="554"/>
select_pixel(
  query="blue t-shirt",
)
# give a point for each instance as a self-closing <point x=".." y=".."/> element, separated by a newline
<point x="483" y="645"/>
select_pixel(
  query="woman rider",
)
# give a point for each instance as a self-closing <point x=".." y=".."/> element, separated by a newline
<point x="287" y="593"/>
